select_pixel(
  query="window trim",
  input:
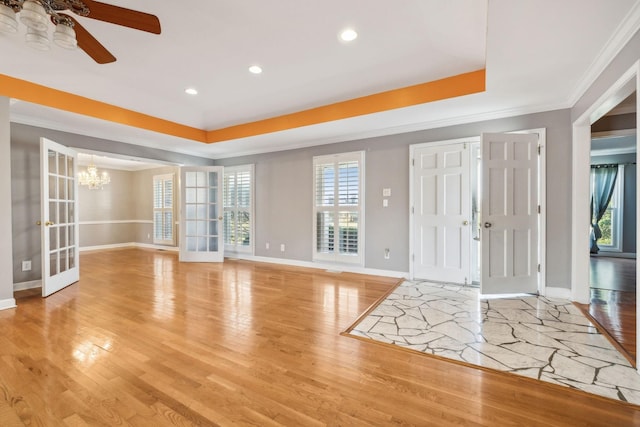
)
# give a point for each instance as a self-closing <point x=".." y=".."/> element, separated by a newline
<point x="335" y="257"/>
<point x="164" y="178"/>
<point x="252" y="215"/>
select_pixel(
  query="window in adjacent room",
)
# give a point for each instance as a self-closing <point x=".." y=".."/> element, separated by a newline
<point x="338" y="209"/>
<point x="238" y="208"/>
<point x="611" y="222"/>
<point x="163" y="220"/>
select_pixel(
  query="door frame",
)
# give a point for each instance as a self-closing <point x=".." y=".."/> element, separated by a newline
<point x="580" y="169"/>
<point x="542" y="200"/>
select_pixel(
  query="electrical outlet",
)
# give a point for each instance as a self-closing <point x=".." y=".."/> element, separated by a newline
<point x="387" y="253"/>
<point x="282" y="247"/>
<point x="267" y="246"/>
<point x="26" y="265"/>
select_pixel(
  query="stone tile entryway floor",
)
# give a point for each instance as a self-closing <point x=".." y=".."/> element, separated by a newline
<point x="542" y="338"/>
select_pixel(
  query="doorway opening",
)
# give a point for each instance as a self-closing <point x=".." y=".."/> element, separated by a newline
<point x="477" y="212"/>
<point x="581" y="195"/>
<point x="612" y="264"/>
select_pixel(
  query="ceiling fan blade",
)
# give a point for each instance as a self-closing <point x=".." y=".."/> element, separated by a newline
<point x="90" y="45"/>
<point x="122" y="16"/>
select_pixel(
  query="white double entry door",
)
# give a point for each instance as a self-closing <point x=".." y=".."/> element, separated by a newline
<point x="475" y="212"/>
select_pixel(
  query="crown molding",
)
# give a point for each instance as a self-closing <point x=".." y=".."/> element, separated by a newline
<point x="408" y="128"/>
<point x="623" y="34"/>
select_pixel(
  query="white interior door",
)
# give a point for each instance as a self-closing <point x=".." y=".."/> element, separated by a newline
<point x="59" y="223"/>
<point x="509" y="213"/>
<point x="201" y="213"/>
<point x="442" y="213"/>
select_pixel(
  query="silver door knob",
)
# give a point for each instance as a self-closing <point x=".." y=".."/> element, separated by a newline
<point x="465" y="222"/>
<point x="487" y="225"/>
<point x="220" y="218"/>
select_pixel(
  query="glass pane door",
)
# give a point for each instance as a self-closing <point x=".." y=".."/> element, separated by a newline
<point x="59" y="223"/>
<point x="201" y="218"/>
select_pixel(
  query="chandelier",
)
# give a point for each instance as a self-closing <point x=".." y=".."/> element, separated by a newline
<point x="37" y="15"/>
<point x="92" y="179"/>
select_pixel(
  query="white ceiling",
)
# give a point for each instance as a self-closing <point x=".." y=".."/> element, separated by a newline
<point x="539" y="55"/>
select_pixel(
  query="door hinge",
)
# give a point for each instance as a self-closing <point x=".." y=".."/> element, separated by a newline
<point x="539" y="209"/>
<point x="539" y="149"/>
<point x="539" y="268"/>
<point x="413" y="257"/>
<point x="412" y="210"/>
<point x="413" y="162"/>
<point x="464" y="146"/>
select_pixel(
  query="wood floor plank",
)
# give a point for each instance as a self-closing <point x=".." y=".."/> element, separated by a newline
<point x="143" y="340"/>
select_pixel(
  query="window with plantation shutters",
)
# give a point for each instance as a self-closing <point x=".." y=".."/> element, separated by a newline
<point x="163" y="221"/>
<point x="338" y="208"/>
<point x="238" y="208"/>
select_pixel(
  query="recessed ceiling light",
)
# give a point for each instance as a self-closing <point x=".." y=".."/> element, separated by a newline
<point x="255" y="69"/>
<point x="191" y="91"/>
<point x="348" y="35"/>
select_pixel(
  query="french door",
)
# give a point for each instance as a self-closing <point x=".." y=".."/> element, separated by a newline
<point x="59" y="218"/>
<point x="201" y="219"/>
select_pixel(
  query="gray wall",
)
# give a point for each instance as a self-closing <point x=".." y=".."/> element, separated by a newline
<point x="284" y="192"/>
<point x="25" y="193"/>
<point x="142" y="186"/>
<point x="6" y="247"/>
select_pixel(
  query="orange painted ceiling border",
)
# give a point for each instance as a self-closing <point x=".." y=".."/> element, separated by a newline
<point x="43" y="95"/>
<point x="437" y="90"/>
<point x="449" y="87"/>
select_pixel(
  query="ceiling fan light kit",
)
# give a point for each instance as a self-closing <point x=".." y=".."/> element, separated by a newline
<point x="65" y="36"/>
<point x="37" y="15"/>
<point x="34" y="16"/>
<point x="37" y="39"/>
<point x="8" y="23"/>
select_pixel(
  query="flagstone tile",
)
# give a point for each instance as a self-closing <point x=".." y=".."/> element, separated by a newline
<point x="570" y="369"/>
<point x="367" y="323"/>
<point x="542" y="338"/>
<point x="535" y="351"/>
<point x="621" y="376"/>
<point x="508" y="358"/>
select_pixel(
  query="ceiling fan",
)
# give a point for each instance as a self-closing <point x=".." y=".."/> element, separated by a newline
<point x="36" y="13"/>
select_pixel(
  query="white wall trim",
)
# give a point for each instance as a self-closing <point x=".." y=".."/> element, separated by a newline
<point x="22" y="286"/>
<point x="128" y="245"/>
<point x="554" y="292"/>
<point x="117" y="221"/>
<point x="623" y="34"/>
<point x="323" y="266"/>
<point x="581" y="160"/>
<point x="7" y="303"/>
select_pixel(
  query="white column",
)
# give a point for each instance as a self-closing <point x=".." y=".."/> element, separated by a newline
<point x="6" y="243"/>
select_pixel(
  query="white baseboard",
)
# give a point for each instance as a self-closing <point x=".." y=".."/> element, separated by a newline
<point x="7" y="303"/>
<point x="331" y="267"/>
<point x="159" y="247"/>
<point x="27" y="285"/>
<point x="129" y="245"/>
<point x="553" y="292"/>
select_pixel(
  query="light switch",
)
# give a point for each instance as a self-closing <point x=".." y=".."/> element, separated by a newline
<point x="385" y="203"/>
<point x="386" y="192"/>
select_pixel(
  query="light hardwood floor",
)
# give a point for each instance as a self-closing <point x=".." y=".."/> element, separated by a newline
<point x="144" y="340"/>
